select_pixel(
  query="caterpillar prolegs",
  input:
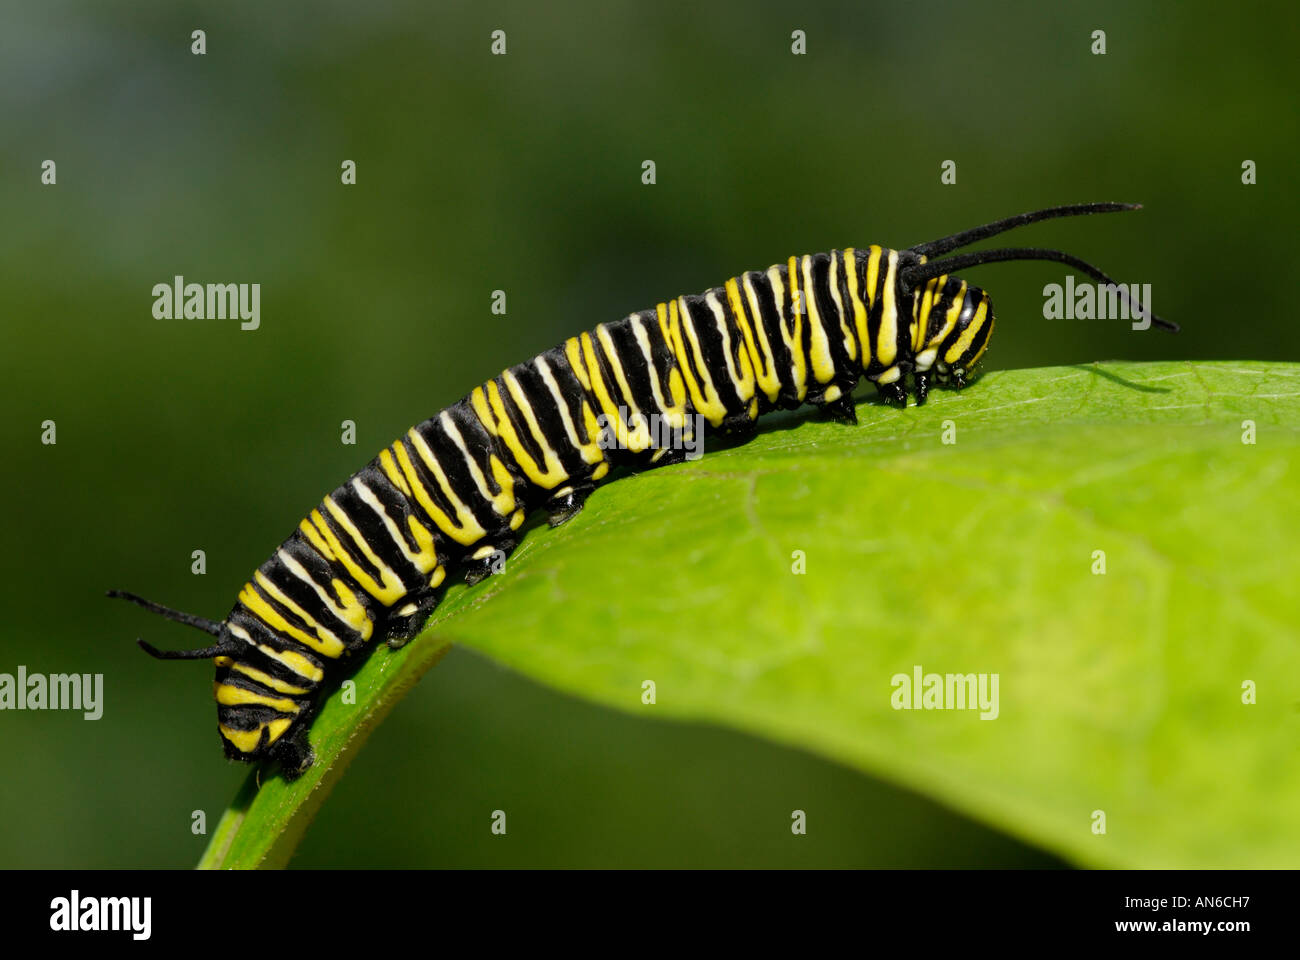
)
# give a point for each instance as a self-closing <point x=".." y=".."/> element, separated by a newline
<point x="367" y="564"/>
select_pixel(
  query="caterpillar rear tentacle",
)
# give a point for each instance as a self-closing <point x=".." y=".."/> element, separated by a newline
<point x="369" y="563"/>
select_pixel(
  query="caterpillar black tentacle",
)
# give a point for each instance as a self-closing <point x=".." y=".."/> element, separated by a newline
<point x="368" y="563"/>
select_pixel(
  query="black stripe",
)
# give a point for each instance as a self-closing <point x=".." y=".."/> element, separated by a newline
<point x="396" y="504"/>
<point x="249" y="716"/>
<point x="712" y="350"/>
<point x="231" y="677"/>
<point x="547" y="413"/>
<point x="831" y="318"/>
<point x="478" y="441"/>
<point x="516" y="416"/>
<point x="262" y="633"/>
<point x="846" y="299"/>
<point x="635" y="369"/>
<point x="963" y="321"/>
<point x="432" y="434"/>
<point x="377" y="535"/>
<point x="571" y="390"/>
<point x="770" y="318"/>
<point x="875" y="306"/>
<point x="758" y="360"/>
<point x="341" y="497"/>
<point x="321" y="572"/>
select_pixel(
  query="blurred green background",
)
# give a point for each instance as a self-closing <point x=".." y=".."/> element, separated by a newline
<point x="523" y="172"/>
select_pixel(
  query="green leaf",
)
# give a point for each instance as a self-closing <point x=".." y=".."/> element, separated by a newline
<point x="1119" y="692"/>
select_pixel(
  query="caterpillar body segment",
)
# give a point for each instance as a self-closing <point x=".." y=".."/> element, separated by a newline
<point x="367" y="564"/>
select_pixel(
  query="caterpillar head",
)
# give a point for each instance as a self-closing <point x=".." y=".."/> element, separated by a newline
<point x="951" y="322"/>
<point x="259" y="716"/>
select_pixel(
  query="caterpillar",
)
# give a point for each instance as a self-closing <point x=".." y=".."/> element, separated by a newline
<point x="367" y="564"/>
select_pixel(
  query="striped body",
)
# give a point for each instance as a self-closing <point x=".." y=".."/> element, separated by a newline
<point x="368" y="562"/>
<point x="365" y="564"/>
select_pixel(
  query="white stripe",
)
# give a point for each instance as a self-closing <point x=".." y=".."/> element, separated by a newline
<point x="675" y="416"/>
<point x="589" y="449"/>
<point x="711" y="298"/>
<point x="850" y="345"/>
<point x="418" y="560"/>
<point x="502" y="502"/>
<point x="778" y="295"/>
<point x="297" y="569"/>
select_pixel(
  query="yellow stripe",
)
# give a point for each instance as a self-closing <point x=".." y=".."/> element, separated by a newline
<point x="573" y="352"/>
<point x="850" y="345"/>
<point x="887" y="342"/>
<point x="424" y="558"/>
<point x="742" y="378"/>
<point x="266" y="680"/>
<point x="258" y="605"/>
<point x="275" y="729"/>
<point x="951" y="317"/>
<point x="354" y="608"/>
<point x="703" y="395"/>
<point x="637" y="440"/>
<point x="468" y="530"/>
<point x="333" y="646"/>
<point x="344" y="605"/>
<point x="316" y="540"/>
<point x="823" y="365"/>
<point x="674" y="412"/>
<point x="295" y="661"/>
<point x="232" y="696"/>
<point x="588" y="449"/>
<point x="502" y="502"/>
<point x="873" y="272"/>
<point x="599" y="388"/>
<point x="859" y="308"/>
<point x="798" y="366"/>
<point x="923" y="323"/>
<point x="968" y="335"/>
<point x="757" y="362"/>
<point x="428" y="551"/>
<point x="245" y="741"/>
<point x="478" y="400"/>
<point x="505" y="480"/>
<point x="387" y="593"/>
<point x="769" y="380"/>
<point x="391" y="471"/>
<point x="676" y="386"/>
<point x="553" y="473"/>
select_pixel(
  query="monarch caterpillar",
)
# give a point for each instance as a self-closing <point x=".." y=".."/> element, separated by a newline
<point x="367" y="563"/>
